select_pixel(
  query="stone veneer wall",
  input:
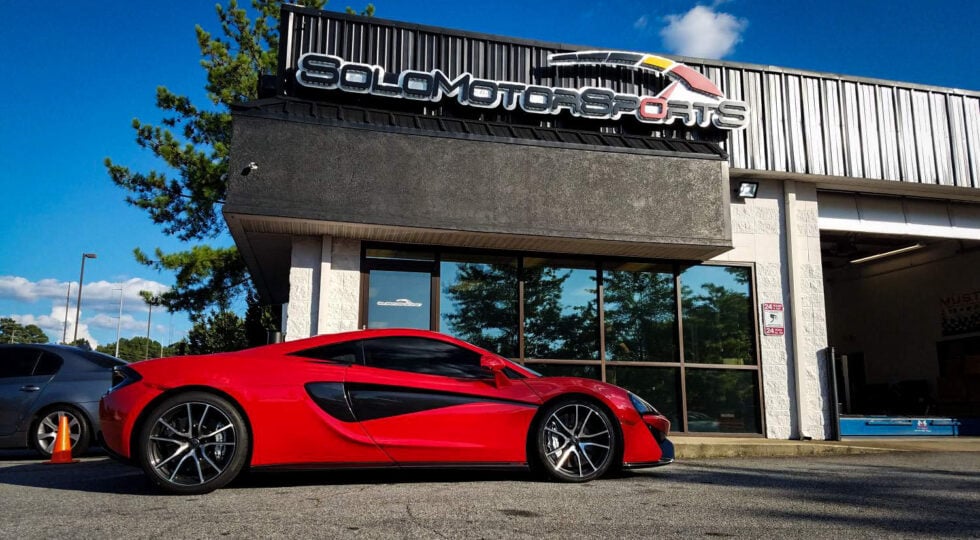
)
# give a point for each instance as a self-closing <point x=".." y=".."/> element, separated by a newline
<point x="304" y="285"/>
<point x="340" y="285"/>
<point x="324" y="279"/>
<point x="759" y="236"/>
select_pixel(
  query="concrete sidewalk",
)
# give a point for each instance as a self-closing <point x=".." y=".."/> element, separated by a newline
<point x="692" y="447"/>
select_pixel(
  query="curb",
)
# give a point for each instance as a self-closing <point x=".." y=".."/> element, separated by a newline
<point x="737" y="450"/>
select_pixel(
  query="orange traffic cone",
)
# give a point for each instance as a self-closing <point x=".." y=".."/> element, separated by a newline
<point x="62" y="443"/>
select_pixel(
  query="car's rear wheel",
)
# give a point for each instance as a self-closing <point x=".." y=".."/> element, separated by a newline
<point x="192" y="443"/>
<point x="44" y="430"/>
<point x="576" y="441"/>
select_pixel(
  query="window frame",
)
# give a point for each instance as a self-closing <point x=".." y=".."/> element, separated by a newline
<point x="601" y="264"/>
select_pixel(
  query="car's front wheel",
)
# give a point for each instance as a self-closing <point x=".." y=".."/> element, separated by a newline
<point x="192" y="443"/>
<point x="576" y="441"/>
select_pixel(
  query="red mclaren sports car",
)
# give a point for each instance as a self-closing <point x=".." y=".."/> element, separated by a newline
<point x="370" y="398"/>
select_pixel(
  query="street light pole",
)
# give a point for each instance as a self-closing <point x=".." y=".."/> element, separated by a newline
<point x="78" y="303"/>
<point x="64" y="335"/>
<point x="119" y="321"/>
<point x="149" y="315"/>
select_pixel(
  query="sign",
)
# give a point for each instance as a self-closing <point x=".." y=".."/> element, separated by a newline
<point x="401" y="302"/>
<point x="961" y="313"/>
<point x="690" y="98"/>
<point x="773" y="322"/>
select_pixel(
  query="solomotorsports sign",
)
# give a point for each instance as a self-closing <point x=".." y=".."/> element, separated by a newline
<point x="689" y="98"/>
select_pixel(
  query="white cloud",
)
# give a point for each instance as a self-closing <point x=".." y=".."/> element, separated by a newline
<point x="100" y="306"/>
<point x="641" y="23"/>
<point x="54" y="325"/>
<point x="98" y="295"/>
<point x="702" y="32"/>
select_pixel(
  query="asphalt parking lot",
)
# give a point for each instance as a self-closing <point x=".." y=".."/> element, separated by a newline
<point x="863" y="496"/>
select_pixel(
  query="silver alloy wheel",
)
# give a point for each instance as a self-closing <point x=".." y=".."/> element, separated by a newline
<point x="578" y="440"/>
<point x="47" y="430"/>
<point x="191" y="443"/>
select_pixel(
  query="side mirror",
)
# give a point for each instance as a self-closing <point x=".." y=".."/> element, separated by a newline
<point x="496" y="365"/>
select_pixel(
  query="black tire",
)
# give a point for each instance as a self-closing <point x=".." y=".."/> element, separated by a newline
<point x="575" y="441"/>
<point x="44" y="430"/>
<point x="192" y="443"/>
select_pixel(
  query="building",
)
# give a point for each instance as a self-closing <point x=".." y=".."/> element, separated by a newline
<point x="703" y="233"/>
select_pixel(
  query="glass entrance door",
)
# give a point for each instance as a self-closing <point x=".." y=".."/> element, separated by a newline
<point x="399" y="299"/>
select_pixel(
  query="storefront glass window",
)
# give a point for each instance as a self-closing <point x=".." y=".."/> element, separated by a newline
<point x="399" y="299"/>
<point x="640" y="314"/>
<point x="478" y="301"/>
<point x="717" y="315"/>
<point x="722" y="400"/>
<point x="560" y="315"/>
<point x="659" y="386"/>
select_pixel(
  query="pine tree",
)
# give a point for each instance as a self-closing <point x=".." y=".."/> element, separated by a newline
<point x="193" y="141"/>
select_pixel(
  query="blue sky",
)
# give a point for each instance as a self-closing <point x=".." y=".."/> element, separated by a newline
<point x="76" y="76"/>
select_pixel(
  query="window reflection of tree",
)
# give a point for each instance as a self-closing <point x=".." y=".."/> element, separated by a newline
<point x="480" y="306"/>
<point x="718" y="321"/>
<point x="555" y="326"/>
<point x="484" y="311"/>
<point x="639" y="316"/>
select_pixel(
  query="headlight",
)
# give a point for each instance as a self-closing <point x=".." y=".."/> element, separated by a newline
<point x="641" y="405"/>
<point x="123" y="376"/>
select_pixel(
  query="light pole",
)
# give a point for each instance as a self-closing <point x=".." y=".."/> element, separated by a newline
<point x="151" y="300"/>
<point x="149" y="315"/>
<point x="78" y="303"/>
<point x="64" y="335"/>
<point x="119" y="321"/>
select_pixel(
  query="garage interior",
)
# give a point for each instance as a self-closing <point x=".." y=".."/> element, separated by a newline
<point x="902" y="291"/>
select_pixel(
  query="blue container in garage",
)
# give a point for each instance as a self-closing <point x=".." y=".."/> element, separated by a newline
<point x="899" y="426"/>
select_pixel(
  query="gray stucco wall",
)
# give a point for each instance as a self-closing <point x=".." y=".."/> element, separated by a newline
<point x="350" y="175"/>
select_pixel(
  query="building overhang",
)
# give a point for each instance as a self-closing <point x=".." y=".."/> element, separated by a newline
<point x="265" y="244"/>
<point x="299" y="174"/>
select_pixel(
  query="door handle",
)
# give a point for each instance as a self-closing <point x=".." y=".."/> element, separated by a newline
<point x="30" y="388"/>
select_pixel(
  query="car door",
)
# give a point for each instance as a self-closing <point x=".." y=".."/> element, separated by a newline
<point x="426" y="401"/>
<point x="19" y="386"/>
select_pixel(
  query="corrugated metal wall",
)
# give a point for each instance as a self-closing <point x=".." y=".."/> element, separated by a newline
<point x="801" y="122"/>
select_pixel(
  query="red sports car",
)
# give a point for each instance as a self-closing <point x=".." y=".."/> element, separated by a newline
<point x="370" y="398"/>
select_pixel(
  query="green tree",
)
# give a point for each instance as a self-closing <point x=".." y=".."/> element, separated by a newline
<point x="260" y="321"/>
<point x="193" y="141"/>
<point x="82" y="343"/>
<point x="12" y="331"/>
<point x="138" y="348"/>
<point x="221" y="331"/>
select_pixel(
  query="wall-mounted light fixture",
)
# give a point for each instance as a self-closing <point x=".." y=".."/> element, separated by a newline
<point x="898" y="251"/>
<point x="747" y="190"/>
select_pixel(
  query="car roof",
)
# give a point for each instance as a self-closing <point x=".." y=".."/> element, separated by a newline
<point x="70" y="353"/>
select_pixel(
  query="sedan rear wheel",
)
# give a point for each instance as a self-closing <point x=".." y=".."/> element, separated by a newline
<point x="45" y="430"/>
<point x="193" y="443"/>
<point x="576" y="441"/>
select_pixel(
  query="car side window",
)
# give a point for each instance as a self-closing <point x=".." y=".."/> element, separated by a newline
<point x="48" y="364"/>
<point x="17" y="362"/>
<point x="421" y="355"/>
<point x="347" y="352"/>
